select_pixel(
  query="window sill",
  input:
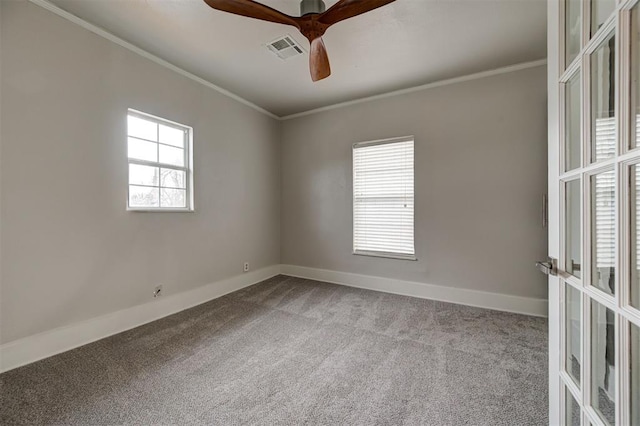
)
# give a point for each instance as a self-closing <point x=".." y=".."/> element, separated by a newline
<point x="397" y="256"/>
<point x="143" y="210"/>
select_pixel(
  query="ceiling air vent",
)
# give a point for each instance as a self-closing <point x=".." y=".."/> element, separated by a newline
<point x="285" y="47"/>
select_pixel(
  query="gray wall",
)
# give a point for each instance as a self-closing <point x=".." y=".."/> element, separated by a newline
<point x="70" y="250"/>
<point x="480" y="175"/>
<point x="265" y="191"/>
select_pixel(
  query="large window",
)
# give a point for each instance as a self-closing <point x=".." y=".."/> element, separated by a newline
<point x="383" y="198"/>
<point x="160" y="172"/>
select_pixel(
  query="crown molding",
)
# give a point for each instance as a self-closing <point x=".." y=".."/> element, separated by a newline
<point x="135" y="49"/>
<point x="121" y="42"/>
<point x="461" y="79"/>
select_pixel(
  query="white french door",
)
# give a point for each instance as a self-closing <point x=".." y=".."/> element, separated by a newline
<point x="594" y="211"/>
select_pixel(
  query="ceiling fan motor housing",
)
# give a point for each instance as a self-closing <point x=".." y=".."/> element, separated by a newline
<point x="311" y="6"/>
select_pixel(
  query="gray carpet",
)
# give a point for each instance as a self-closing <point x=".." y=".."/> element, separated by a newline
<point x="292" y="351"/>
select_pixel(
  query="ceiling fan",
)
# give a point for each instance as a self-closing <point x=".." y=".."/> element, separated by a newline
<point x="312" y="23"/>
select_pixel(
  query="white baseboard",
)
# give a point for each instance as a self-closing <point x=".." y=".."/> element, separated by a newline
<point x="500" y="302"/>
<point x="43" y="345"/>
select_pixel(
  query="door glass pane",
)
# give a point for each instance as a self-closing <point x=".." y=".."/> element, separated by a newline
<point x="572" y="333"/>
<point x="572" y="123"/>
<point x="603" y="231"/>
<point x="603" y="364"/>
<point x="634" y="228"/>
<point x="572" y="30"/>
<point x="572" y="411"/>
<point x="603" y="107"/>
<point x="600" y="11"/>
<point x="634" y="372"/>
<point x="635" y="77"/>
<point x="573" y="234"/>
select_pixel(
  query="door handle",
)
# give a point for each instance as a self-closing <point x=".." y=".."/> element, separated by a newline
<point x="549" y="267"/>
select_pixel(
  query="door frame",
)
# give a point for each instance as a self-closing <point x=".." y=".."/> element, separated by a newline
<point x="555" y="50"/>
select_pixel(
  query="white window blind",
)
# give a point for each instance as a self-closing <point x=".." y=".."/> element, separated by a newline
<point x="383" y="198"/>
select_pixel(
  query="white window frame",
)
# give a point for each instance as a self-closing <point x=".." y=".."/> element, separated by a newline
<point x="371" y="253"/>
<point x="188" y="168"/>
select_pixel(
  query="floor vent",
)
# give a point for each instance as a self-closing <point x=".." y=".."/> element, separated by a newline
<point x="285" y="47"/>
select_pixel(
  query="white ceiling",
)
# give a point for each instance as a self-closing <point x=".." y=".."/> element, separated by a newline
<point x="401" y="45"/>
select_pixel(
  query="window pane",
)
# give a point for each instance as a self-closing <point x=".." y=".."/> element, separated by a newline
<point x="140" y="128"/>
<point x="573" y="234"/>
<point x="600" y="12"/>
<point x="603" y="362"/>
<point x="172" y="136"/>
<point x="143" y="196"/>
<point x="155" y="147"/>
<point x="634" y="201"/>
<point x="170" y="155"/>
<point x="143" y="175"/>
<point x="573" y="301"/>
<point x="143" y="150"/>
<point x="634" y="373"/>
<point x="635" y="76"/>
<point x="173" y="198"/>
<point x="603" y="106"/>
<point x="173" y="178"/>
<point x="573" y="152"/>
<point x="572" y="411"/>
<point x="572" y="30"/>
<point x="603" y="229"/>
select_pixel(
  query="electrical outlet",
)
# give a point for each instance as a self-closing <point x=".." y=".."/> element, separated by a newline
<point x="246" y="267"/>
<point x="158" y="291"/>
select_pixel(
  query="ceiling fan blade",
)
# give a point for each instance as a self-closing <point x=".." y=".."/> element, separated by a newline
<point x="319" y="60"/>
<point x="346" y="9"/>
<point x="252" y="9"/>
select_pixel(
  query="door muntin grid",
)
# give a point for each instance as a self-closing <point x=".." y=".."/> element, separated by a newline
<point x="608" y="277"/>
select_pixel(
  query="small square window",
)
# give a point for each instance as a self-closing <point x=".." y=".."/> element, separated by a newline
<point x="160" y="171"/>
